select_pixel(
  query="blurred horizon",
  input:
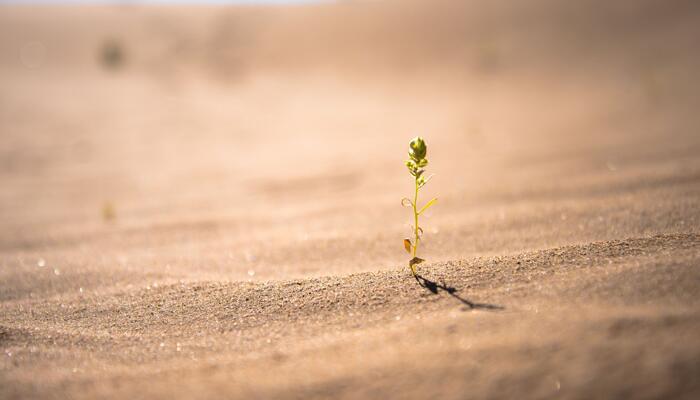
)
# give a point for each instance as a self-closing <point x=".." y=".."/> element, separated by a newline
<point x="163" y="2"/>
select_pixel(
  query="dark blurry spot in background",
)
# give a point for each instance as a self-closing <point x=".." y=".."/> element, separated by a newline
<point x="112" y="55"/>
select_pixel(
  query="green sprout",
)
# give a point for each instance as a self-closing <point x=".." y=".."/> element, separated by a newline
<point x="416" y="164"/>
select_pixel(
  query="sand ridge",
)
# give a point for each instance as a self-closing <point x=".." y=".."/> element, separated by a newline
<point x="190" y="328"/>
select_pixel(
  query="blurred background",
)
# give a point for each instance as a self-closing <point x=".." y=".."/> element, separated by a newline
<point x="264" y="141"/>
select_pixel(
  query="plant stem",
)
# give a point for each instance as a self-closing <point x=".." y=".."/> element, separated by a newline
<point x="415" y="219"/>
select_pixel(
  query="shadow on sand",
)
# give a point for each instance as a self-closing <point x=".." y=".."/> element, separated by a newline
<point x="435" y="288"/>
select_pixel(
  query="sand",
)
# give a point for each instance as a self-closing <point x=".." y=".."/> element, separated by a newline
<point x="204" y="202"/>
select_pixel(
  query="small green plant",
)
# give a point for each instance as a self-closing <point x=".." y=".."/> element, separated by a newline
<point x="417" y="151"/>
<point x="109" y="213"/>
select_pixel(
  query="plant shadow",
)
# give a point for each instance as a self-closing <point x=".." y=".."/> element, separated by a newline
<point x="435" y="288"/>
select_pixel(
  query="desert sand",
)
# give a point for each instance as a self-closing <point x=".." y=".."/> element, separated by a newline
<point x="204" y="201"/>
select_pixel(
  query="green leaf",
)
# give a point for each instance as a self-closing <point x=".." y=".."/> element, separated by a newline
<point x="428" y="205"/>
<point x="417" y="148"/>
<point x="424" y="180"/>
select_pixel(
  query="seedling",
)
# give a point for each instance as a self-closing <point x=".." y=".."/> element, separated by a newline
<point x="416" y="164"/>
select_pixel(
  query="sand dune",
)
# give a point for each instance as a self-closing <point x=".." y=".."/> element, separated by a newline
<point x="204" y="202"/>
<point x="558" y="319"/>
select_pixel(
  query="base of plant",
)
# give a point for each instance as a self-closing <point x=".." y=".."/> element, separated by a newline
<point x="412" y="264"/>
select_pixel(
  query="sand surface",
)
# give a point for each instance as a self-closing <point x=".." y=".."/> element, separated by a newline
<point x="204" y="202"/>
